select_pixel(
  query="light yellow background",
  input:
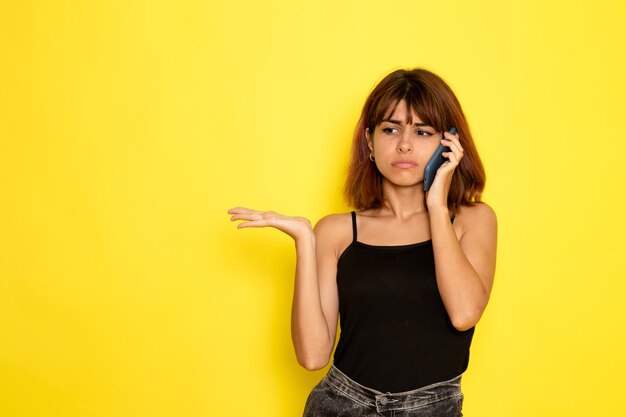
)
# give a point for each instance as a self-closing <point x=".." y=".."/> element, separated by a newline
<point x="128" y="128"/>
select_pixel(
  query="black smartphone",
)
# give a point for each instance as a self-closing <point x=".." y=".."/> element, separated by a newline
<point x="435" y="162"/>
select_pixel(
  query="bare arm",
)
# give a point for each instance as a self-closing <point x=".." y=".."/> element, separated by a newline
<point x="465" y="268"/>
<point x="315" y="306"/>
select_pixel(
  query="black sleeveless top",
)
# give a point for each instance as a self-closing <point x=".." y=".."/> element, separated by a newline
<point x="395" y="332"/>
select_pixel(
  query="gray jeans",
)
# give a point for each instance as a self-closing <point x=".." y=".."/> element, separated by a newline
<point x="337" y="395"/>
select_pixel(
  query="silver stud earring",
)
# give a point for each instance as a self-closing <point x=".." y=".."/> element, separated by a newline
<point x="371" y="157"/>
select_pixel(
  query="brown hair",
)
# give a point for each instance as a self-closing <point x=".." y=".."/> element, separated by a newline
<point x="428" y="96"/>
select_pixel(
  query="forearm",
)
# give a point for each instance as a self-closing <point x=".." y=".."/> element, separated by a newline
<point x="309" y="329"/>
<point x="462" y="291"/>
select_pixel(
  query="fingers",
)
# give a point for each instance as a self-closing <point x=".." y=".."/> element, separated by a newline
<point x="257" y="223"/>
<point x="293" y="226"/>
<point x="242" y="213"/>
<point x="456" y="150"/>
<point x="251" y="218"/>
<point x="236" y="210"/>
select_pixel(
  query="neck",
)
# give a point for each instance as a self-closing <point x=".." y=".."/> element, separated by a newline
<point x="403" y="202"/>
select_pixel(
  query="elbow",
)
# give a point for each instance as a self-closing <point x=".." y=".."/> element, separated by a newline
<point x="463" y="322"/>
<point x="313" y="366"/>
<point x="312" y="363"/>
<point x="468" y="316"/>
<point x="463" y="325"/>
<point x="313" y="356"/>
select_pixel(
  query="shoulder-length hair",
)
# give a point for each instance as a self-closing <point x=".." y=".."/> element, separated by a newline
<point x="430" y="98"/>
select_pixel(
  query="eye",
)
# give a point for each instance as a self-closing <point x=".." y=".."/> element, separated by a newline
<point x="423" y="133"/>
<point x="389" y="130"/>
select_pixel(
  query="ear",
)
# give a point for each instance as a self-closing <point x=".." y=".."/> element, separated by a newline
<point x="367" y="136"/>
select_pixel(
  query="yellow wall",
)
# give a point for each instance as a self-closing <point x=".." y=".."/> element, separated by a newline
<point x="127" y="129"/>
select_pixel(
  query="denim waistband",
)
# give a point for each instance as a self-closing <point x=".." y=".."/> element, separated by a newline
<point x="408" y="400"/>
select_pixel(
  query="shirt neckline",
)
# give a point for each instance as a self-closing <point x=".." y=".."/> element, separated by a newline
<point x="407" y="245"/>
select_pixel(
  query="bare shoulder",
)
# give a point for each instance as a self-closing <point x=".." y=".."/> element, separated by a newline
<point x="478" y="211"/>
<point x="478" y="217"/>
<point x="334" y="223"/>
<point x="333" y="232"/>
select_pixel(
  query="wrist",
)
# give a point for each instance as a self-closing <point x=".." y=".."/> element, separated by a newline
<point x="438" y="210"/>
<point x="305" y="237"/>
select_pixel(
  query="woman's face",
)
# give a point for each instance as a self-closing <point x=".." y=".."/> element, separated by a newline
<point x="401" y="150"/>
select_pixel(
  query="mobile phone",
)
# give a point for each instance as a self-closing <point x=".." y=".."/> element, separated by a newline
<point x="435" y="162"/>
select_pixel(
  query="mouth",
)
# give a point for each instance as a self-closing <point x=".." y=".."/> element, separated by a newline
<point x="404" y="163"/>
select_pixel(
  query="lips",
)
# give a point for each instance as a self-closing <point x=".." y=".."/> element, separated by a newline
<point x="404" y="163"/>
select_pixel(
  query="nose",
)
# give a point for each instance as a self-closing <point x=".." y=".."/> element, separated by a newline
<point x="404" y="144"/>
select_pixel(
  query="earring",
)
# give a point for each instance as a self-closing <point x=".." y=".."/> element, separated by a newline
<point x="371" y="157"/>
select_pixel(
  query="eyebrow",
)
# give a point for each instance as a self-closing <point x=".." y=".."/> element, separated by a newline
<point x="398" y="122"/>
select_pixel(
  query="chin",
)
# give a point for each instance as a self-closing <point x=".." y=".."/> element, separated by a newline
<point x="405" y="183"/>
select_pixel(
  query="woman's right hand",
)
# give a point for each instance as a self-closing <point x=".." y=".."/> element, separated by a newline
<point x="296" y="227"/>
<point x="315" y="306"/>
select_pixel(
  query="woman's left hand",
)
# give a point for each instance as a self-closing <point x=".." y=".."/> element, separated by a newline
<point x="437" y="195"/>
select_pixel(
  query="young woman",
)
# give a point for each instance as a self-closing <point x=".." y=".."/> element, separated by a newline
<point x="409" y="274"/>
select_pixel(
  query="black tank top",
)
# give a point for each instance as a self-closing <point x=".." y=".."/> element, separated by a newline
<point x="395" y="332"/>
